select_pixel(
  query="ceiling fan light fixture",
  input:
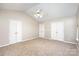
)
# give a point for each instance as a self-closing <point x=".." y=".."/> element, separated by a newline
<point x="38" y="14"/>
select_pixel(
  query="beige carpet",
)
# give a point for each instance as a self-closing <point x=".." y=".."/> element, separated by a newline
<point x="41" y="47"/>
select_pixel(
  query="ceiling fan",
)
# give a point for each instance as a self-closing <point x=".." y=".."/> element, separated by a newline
<point x="38" y="13"/>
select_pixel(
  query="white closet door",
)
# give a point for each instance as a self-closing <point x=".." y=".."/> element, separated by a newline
<point x="19" y="31"/>
<point x="60" y="31"/>
<point x="15" y="31"/>
<point x="53" y="31"/>
<point x="41" y="30"/>
<point x="57" y="31"/>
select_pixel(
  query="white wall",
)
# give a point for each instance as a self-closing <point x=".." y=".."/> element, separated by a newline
<point x="29" y="25"/>
<point x="69" y="28"/>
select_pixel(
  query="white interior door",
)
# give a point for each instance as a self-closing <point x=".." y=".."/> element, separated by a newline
<point x="41" y="30"/>
<point x="60" y="31"/>
<point x="19" y="30"/>
<point x="15" y="31"/>
<point x="53" y="31"/>
<point x="57" y="31"/>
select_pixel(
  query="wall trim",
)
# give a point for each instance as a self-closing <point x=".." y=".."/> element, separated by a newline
<point x="59" y="40"/>
<point x="35" y="38"/>
<point x="17" y="42"/>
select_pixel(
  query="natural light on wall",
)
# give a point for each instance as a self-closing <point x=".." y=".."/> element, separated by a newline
<point x="15" y="31"/>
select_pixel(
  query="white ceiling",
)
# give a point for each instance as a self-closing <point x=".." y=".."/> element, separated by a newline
<point x="17" y="6"/>
<point x="50" y="10"/>
<point x="55" y="10"/>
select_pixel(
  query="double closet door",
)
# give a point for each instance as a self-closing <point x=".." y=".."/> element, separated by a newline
<point x="15" y="31"/>
<point x="57" y="31"/>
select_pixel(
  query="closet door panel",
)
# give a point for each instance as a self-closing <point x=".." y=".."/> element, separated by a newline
<point x="15" y="34"/>
<point x="41" y="30"/>
<point x="60" y="31"/>
<point x="53" y="30"/>
<point x="57" y="31"/>
<point x="13" y="31"/>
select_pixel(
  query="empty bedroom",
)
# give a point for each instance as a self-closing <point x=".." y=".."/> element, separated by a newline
<point x="39" y="29"/>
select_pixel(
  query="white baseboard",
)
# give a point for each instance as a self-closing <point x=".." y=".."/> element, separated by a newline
<point x="18" y="42"/>
<point x="35" y="38"/>
<point x="59" y="40"/>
